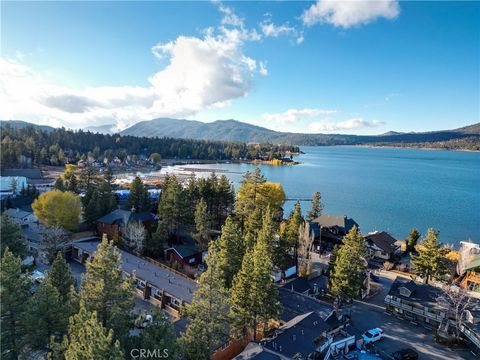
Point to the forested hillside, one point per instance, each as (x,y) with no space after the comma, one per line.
(29,146)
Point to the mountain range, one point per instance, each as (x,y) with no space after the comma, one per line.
(233,130)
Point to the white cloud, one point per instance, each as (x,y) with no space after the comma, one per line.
(293,115)
(201,72)
(346,14)
(269,29)
(350,124)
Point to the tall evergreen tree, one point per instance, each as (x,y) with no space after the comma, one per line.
(11,237)
(232,249)
(347,275)
(173,205)
(317,206)
(254,295)
(46,316)
(60,277)
(159,335)
(203,225)
(14,294)
(251,227)
(412,240)
(108,176)
(138,197)
(157,242)
(208,313)
(88,339)
(248,193)
(292,231)
(105,291)
(430,261)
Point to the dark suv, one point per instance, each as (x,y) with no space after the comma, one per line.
(405,354)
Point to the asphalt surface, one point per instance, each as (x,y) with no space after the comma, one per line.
(399,333)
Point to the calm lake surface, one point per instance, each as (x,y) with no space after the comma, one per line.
(383,188)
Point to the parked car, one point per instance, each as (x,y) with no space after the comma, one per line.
(374,277)
(405,354)
(372,335)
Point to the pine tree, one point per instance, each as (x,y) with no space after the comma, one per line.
(11,237)
(208,313)
(254,295)
(159,335)
(105,291)
(412,240)
(138,197)
(251,227)
(173,205)
(248,193)
(14,294)
(108,176)
(202,225)
(430,261)
(348,272)
(87,338)
(231,252)
(46,316)
(60,277)
(292,231)
(156,243)
(317,206)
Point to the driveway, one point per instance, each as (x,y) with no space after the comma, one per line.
(399,333)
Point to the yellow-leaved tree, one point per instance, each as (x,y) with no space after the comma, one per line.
(59,209)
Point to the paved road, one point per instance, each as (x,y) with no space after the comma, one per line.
(399,333)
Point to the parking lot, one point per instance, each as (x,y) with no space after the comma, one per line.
(399,333)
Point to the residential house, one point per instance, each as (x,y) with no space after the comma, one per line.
(469,265)
(330,229)
(113,224)
(299,285)
(307,336)
(185,254)
(33,176)
(420,303)
(21,217)
(255,351)
(381,245)
(12,185)
(155,283)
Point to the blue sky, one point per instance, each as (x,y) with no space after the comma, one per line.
(362,67)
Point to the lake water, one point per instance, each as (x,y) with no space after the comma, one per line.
(383,188)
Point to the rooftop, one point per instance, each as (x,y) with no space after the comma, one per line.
(298,284)
(382,240)
(123,217)
(294,304)
(420,293)
(327,220)
(28,173)
(301,335)
(173,283)
(17,213)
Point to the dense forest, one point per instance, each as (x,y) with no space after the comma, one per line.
(30,146)
(471,143)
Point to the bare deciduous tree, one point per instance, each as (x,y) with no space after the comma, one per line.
(304,247)
(54,238)
(134,236)
(456,302)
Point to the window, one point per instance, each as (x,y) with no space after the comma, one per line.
(404,292)
(140,284)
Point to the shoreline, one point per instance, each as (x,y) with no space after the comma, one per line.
(411,148)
